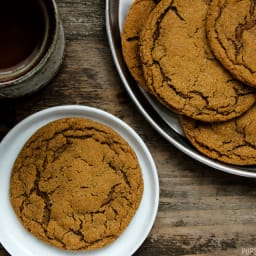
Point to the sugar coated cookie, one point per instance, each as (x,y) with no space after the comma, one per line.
(231,30)
(76,184)
(180,69)
(232,142)
(134,22)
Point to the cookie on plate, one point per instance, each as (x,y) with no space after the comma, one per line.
(133,24)
(76,184)
(180,69)
(232,142)
(231,30)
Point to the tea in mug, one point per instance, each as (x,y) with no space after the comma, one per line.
(22,32)
(32,45)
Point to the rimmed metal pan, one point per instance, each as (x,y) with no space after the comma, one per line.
(163,120)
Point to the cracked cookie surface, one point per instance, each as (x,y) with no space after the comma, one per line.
(76,184)
(231,30)
(232,142)
(134,22)
(180,69)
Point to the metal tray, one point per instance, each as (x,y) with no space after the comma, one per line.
(162,119)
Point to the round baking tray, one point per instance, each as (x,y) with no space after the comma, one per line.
(19,242)
(163,120)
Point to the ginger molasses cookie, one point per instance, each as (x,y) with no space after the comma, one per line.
(180,69)
(232,142)
(134,22)
(231,30)
(76,184)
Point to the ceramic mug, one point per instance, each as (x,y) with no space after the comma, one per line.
(31,46)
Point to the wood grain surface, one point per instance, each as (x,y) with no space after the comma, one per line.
(202,211)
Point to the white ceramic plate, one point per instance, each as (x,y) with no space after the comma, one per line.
(162,119)
(19,242)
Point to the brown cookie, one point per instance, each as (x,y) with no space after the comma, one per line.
(232,142)
(231,30)
(76,184)
(134,22)
(180,69)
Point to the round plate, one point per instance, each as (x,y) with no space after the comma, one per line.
(19,242)
(162,119)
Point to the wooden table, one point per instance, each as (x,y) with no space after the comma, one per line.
(202,211)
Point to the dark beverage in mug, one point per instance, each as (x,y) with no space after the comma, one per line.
(31,45)
(22,32)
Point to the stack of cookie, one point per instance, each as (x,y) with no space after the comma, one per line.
(198,59)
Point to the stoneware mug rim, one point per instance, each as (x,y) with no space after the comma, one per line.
(57,36)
